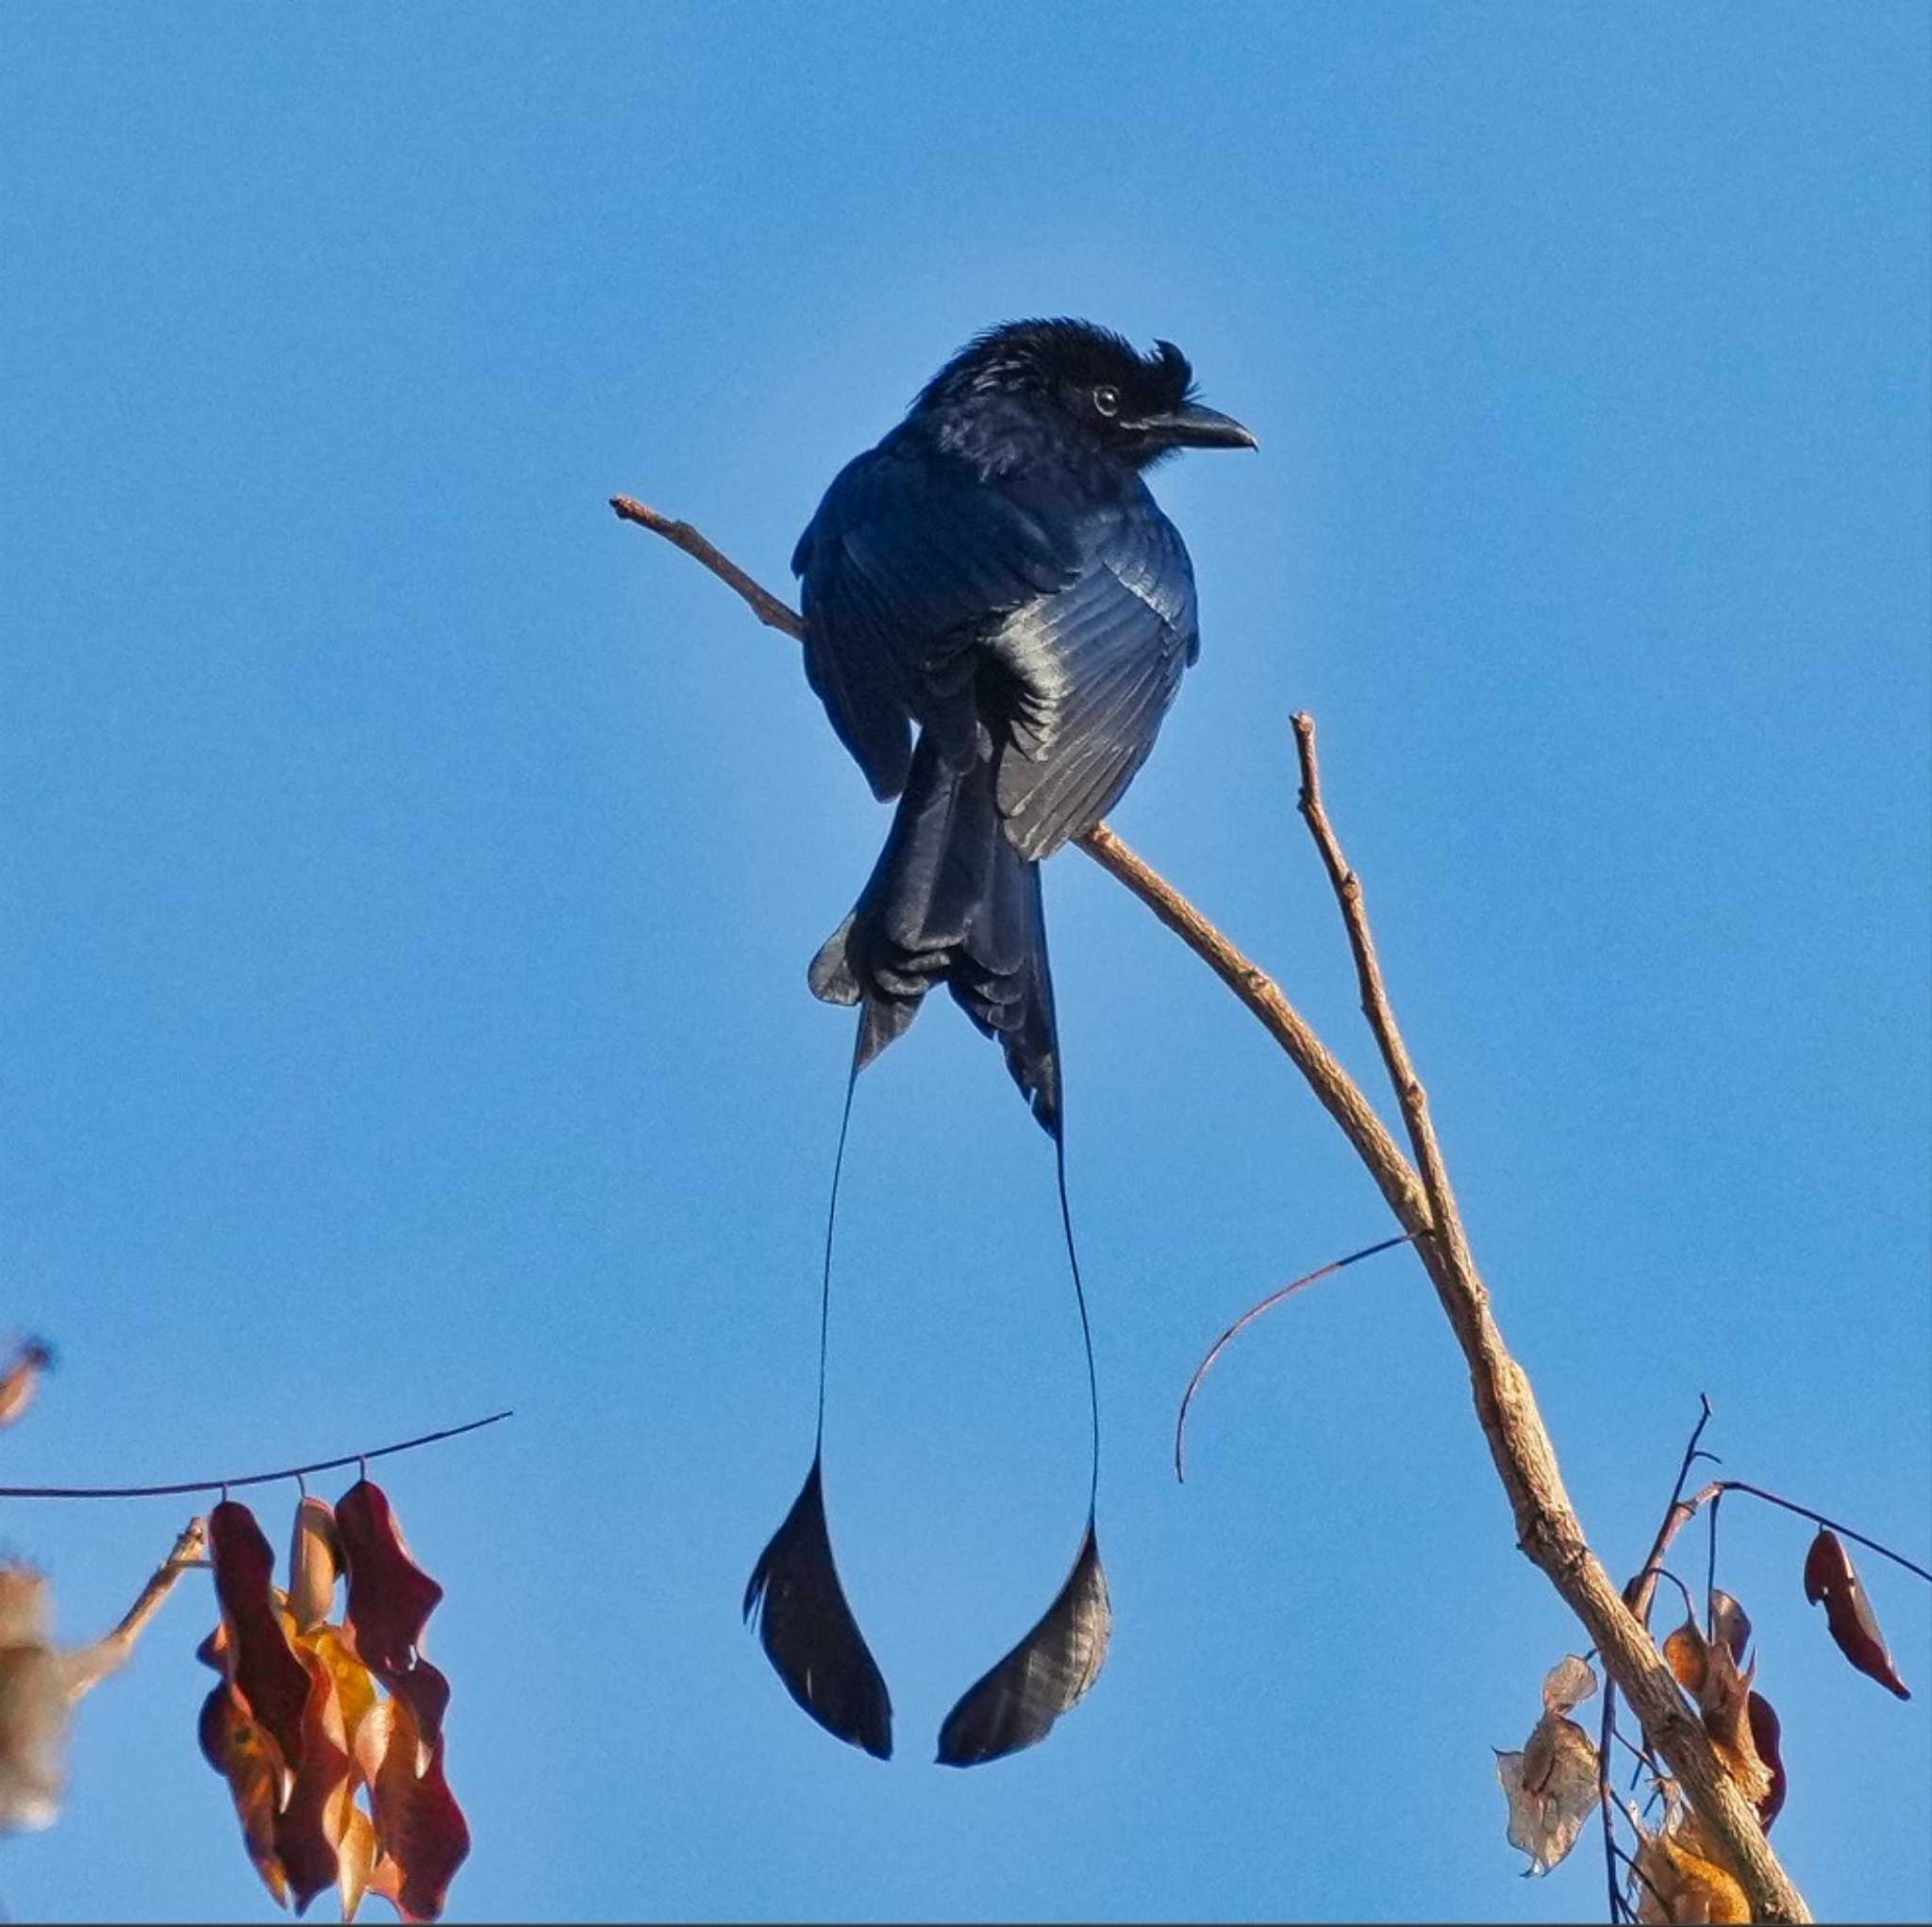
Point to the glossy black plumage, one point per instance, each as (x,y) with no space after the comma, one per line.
(1015,1704)
(997,617)
(807,1629)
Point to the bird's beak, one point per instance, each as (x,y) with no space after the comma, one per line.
(1194,426)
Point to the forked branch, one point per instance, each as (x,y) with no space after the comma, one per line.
(1547,1528)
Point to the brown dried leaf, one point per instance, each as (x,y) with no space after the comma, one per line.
(21,1378)
(391,1597)
(1731,1624)
(244,1752)
(1551,1787)
(34,1705)
(1848,1616)
(1726,1703)
(314,1564)
(1568,1684)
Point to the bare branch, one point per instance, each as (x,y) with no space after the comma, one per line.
(1547,1528)
(89,1665)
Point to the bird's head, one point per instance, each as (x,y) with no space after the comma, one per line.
(1138,408)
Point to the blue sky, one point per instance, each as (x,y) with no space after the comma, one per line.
(408,877)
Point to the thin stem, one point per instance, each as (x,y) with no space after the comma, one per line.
(1638,1593)
(323,1465)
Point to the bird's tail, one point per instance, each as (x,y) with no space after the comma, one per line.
(951,902)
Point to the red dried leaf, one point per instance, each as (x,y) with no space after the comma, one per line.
(420,1829)
(245,1755)
(259,1660)
(426,1689)
(391,1597)
(1848,1615)
(310,1828)
(1766,1734)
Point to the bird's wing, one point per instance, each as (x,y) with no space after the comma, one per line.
(1094,668)
(909,562)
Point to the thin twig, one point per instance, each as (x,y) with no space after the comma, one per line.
(89,1667)
(764,605)
(324,1465)
(1520,1446)
(1637,1596)
(1248,1317)
(1844,1532)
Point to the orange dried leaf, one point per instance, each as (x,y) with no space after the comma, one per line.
(1679,1885)
(259,1660)
(314,1564)
(244,1752)
(352,1682)
(1848,1616)
(21,1378)
(391,1597)
(1688,1655)
(358,1861)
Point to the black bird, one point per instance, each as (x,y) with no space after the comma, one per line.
(997,617)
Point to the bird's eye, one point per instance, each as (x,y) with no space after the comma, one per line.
(1106,400)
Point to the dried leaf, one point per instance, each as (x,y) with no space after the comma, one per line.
(34,1705)
(310,1828)
(244,1752)
(1731,1624)
(353,1685)
(1048,1674)
(1551,1787)
(1725,1703)
(419,1828)
(1767,1738)
(391,1597)
(21,1378)
(356,1862)
(1680,1886)
(258,1659)
(807,1629)
(1689,1656)
(1568,1684)
(315,1563)
(1848,1615)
